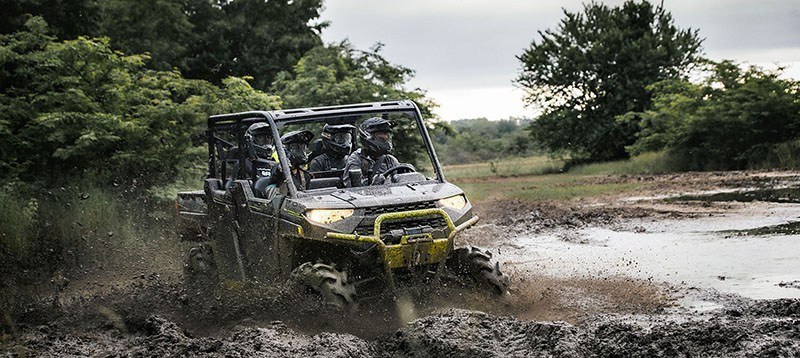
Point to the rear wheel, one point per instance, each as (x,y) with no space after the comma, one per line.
(332,285)
(200,274)
(476,265)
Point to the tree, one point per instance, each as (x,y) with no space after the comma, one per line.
(158,27)
(733,119)
(68,19)
(255,38)
(340,74)
(596,66)
(76,107)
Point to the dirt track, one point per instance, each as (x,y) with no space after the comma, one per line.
(545,315)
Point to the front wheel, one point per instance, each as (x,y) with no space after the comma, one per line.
(476,265)
(336,290)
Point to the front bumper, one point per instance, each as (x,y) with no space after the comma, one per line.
(415,248)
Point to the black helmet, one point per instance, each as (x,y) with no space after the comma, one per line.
(376,145)
(259,141)
(296,145)
(337,140)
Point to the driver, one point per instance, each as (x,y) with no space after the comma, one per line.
(337,141)
(374,158)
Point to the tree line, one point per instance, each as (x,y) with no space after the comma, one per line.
(614,81)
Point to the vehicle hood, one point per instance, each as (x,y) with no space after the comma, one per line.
(364,197)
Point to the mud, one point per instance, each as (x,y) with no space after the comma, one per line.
(760,328)
(572,295)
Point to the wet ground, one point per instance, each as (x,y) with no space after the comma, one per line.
(707,264)
(748,252)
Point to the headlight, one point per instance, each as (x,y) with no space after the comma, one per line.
(327,216)
(454,202)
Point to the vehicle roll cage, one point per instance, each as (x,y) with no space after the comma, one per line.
(238,123)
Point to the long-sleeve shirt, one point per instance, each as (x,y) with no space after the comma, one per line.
(369,167)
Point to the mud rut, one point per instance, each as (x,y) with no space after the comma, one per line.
(152,315)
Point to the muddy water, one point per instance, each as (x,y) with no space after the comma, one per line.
(726,252)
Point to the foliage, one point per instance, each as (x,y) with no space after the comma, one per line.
(17,221)
(733,119)
(596,65)
(74,107)
(68,18)
(204,39)
(339,74)
(157,27)
(479,140)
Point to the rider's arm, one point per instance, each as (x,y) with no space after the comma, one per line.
(353,162)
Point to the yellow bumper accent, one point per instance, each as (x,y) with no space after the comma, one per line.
(413,249)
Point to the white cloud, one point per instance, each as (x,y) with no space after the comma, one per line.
(488,102)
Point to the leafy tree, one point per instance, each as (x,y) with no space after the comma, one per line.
(75,107)
(733,119)
(68,18)
(158,27)
(255,38)
(340,74)
(595,66)
(480,139)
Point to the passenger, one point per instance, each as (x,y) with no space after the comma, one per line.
(296,145)
(374,157)
(260,150)
(337,142)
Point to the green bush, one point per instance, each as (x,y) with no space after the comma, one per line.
(734,119)
(18,222)
(75,107)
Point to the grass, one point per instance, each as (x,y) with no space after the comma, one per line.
(645,163)
(511,167)
(539,178)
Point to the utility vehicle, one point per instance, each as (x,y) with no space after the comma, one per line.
(344,243)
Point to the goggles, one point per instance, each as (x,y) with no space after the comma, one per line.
(342,138)
(262,139)
(297,147)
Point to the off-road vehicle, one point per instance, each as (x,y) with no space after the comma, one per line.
(343,242)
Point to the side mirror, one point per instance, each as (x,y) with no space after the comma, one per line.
(355,177)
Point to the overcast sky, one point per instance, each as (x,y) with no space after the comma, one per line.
(463,51)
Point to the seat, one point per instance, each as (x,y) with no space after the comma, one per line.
(318,183)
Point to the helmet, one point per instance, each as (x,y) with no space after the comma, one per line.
(296,145)
(375,135)
(337,140)
(259,141)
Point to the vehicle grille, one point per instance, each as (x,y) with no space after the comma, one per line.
(401,207)
(436,222)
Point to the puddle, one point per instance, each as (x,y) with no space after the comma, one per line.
(686,253)
(780,195)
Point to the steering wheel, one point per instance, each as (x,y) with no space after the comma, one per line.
(398,169)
